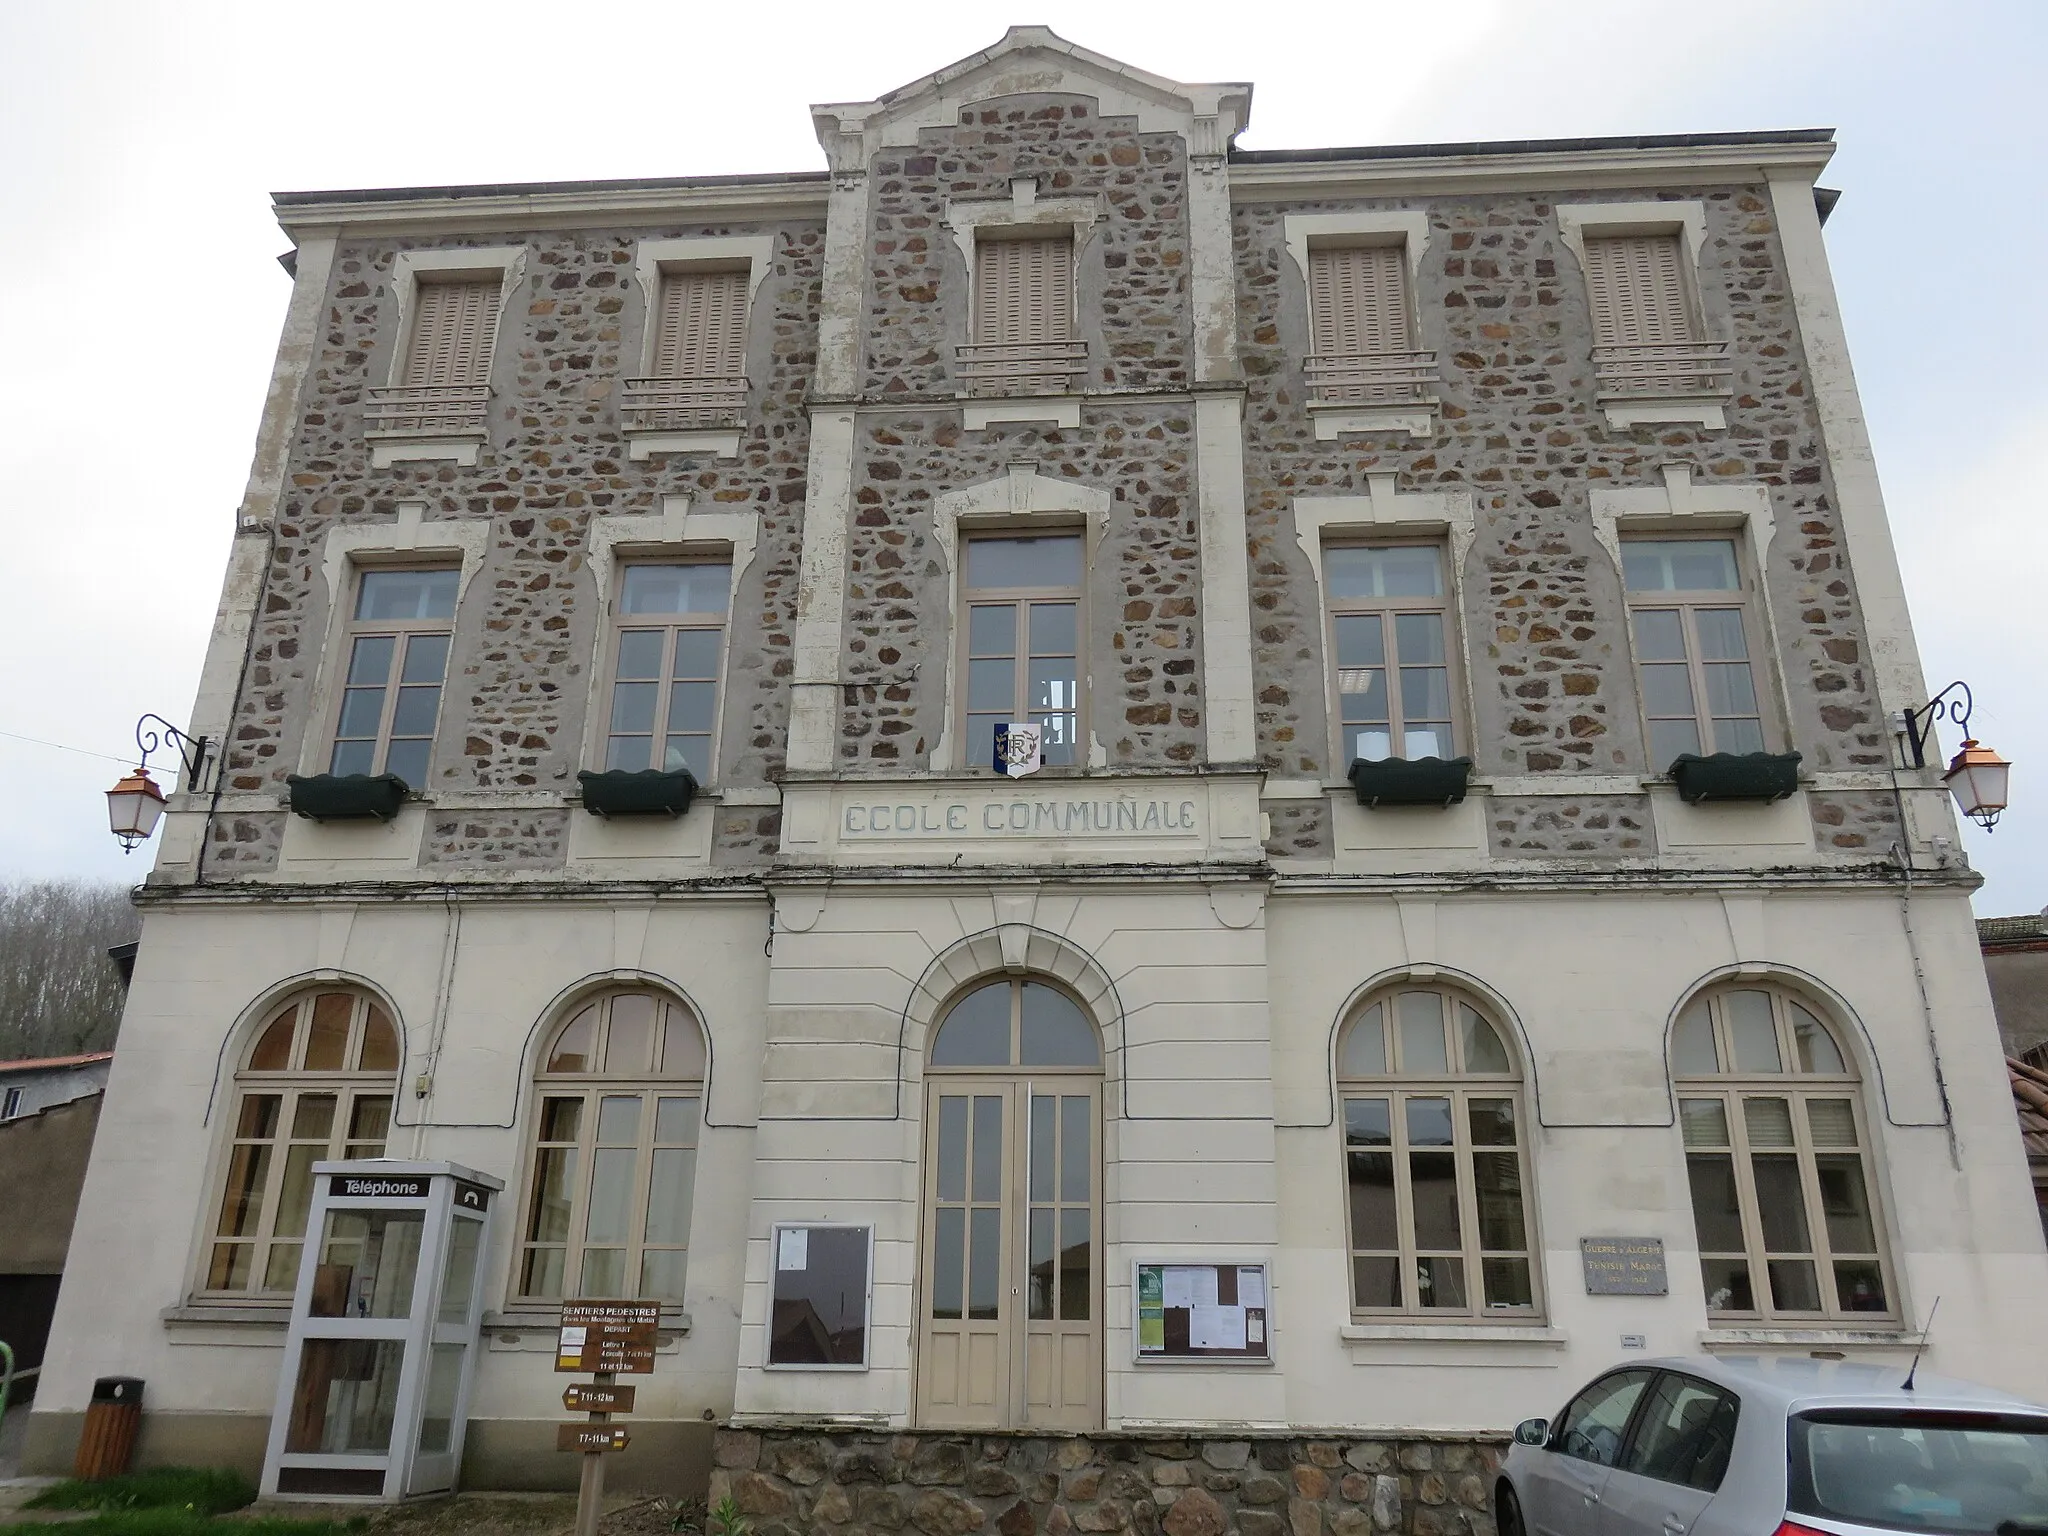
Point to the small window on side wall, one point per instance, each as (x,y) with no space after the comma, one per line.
(668,657)
(396,646)
(1390,638)
(1690,622)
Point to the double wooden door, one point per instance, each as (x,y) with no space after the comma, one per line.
(1010,1301)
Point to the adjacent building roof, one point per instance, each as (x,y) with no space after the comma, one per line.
(54,1063)
(2006,932)
(2030,1100)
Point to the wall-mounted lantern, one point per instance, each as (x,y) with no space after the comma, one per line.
(135,805)
(1977,776)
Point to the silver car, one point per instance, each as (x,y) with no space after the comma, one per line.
(1789,1447)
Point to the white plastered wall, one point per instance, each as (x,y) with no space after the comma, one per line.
(203,981)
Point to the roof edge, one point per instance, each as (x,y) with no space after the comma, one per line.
(1504,147)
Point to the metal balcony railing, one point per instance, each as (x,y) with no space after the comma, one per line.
(672,405)
(1370,378)
(1022,367)
(438,411)
(1668,368)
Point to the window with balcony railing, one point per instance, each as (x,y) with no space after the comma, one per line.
(1363,329)
(698,360)
(443,389)
(1024,342)
(1648,342)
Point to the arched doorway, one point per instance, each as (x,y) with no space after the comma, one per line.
(1010,1299)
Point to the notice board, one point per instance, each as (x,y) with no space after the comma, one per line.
(1210,1312)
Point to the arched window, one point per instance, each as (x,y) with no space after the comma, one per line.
(1774,1149)
(1435,1160)
(317,1083)
(615,1152)
(1016,1024)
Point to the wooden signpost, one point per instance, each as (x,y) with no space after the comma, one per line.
(605,1338)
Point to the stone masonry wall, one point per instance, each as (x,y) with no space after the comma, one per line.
(797,1481)
(1503,304)
(1143,700)
(527,632)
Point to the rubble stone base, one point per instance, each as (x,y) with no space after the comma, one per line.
(802,1480)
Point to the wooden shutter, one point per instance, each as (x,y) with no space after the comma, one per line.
(1024,290)
(452,334)
(1638,291)
(701,331)
(1358,298)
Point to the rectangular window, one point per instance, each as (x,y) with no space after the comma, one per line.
(1638,291)
(1687,604)
(1782,1205)
(668,654)
(13,1105)
(1389,635)
(1024,290)
(397,648)
(1022,654)
(1023,316)
(1437,1217)
(613,1177)
(455,322)
(701,325)
(1363,336)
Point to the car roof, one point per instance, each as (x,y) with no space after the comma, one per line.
(1796,1383)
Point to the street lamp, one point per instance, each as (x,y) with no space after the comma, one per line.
(135,805)
(1977,776)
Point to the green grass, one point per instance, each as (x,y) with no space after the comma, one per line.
(185,1522)
(193,1490)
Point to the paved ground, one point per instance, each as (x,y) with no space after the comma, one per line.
(469,1514)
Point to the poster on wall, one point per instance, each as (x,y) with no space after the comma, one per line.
(1213,1312)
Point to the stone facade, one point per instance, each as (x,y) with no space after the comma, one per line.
(790,1481)
(1204,885)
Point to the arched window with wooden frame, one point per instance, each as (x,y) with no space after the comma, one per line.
(1777,1151)
(614,1168)
(316,1083)
(1435,1160)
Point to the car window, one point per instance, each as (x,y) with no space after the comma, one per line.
(1593,1425)
(1684,1433)
(1906,1470)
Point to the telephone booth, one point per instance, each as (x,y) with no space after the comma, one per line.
(374,1394)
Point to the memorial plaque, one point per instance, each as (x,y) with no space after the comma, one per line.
(608,1336)
(1623,1266)
(582,1397)
(591,1438)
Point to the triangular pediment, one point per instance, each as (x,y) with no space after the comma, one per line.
(1031,61)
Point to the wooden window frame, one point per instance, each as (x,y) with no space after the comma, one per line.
(1020,600)
(404,632)
(1744,597)
(1460,1086)
(1797,1087)
(618,622)
(590,1088)
(1446,609)
(349,1086)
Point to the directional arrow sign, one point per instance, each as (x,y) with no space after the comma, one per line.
(590,1437)
(601,1398)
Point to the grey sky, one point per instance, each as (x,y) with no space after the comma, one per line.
(137,254)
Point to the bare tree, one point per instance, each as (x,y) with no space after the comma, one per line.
(59,993)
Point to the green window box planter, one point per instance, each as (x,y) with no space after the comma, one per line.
(1735,776)
(347,796)
(649,792)
(1437,781)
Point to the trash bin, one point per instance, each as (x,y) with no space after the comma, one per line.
(111,1420)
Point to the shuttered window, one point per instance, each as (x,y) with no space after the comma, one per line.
(452,333)
(701,328)
(1024,291)
(1359,298)
(1638,291)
